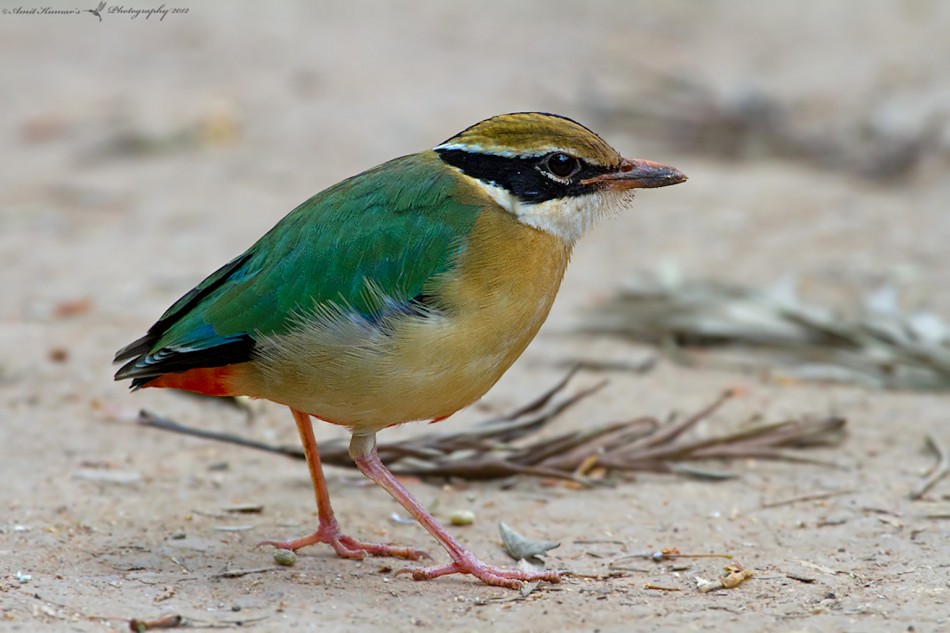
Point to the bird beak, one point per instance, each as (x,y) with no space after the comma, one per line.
(638,174)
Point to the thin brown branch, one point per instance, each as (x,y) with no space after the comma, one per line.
(938,472)
(812,497)
(508,445)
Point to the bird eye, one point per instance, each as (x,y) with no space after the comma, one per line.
(561,165)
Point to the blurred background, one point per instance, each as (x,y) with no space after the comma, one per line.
(138,153)
(141,151)
(815,135)
(144,149)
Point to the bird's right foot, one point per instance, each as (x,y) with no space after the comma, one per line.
(497,576)
(346,546)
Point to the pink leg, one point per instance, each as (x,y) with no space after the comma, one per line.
(327,530)
(363,452)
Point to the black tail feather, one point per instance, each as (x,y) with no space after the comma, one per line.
(135,349)
(143,368)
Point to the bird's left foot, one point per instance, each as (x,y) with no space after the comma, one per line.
(346,546)
(495,576)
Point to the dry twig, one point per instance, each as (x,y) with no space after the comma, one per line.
(168,622)
(238,573)
(876,344)
(500,448)
(809,497)
(939,471)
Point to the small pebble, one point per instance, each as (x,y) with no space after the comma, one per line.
(120,477)
(285,557)
(462,517)
(395,518)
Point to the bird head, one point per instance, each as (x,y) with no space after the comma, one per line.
(549,171)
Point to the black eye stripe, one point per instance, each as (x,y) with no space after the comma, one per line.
(521,176)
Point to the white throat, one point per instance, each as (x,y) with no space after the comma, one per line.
(565,218)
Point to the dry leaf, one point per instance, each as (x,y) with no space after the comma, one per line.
(521,548)
(735,576)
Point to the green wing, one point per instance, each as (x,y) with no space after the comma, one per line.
(368,245)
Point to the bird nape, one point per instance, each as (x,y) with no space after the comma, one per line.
(400,294)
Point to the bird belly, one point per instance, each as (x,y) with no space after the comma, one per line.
(342,368)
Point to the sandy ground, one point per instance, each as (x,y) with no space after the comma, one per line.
(111,206)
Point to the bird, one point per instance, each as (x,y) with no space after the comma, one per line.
(97,11)
(400,294)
